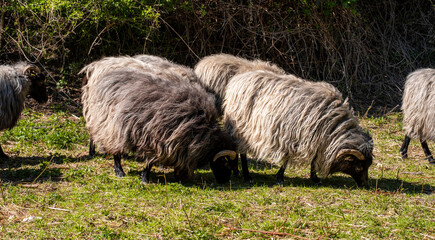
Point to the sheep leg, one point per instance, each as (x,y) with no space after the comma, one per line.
(145,175)
(427,152)
(404,148)
(3,156)
(117,167)
(280,175)
(313,175)
(91,147)
(236,172)
(245,171)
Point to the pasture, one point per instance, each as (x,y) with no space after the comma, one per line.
(51,189)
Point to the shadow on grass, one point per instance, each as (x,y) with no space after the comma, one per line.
(17,170)
(27,169)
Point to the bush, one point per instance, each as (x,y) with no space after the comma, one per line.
(365,48)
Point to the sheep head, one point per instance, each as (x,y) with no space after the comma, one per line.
(222,165)
(354,163)
(37,89)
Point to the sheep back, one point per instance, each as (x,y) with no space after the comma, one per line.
(215,71)
(158,65)
(418,105)
(287,120)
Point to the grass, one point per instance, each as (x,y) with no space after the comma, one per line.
(51,189)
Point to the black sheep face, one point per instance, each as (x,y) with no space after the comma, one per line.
(222,168)
(356,168)
(38,90)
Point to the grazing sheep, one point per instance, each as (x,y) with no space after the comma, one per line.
(290,121)
(16,81)
(214,73)
(148,63)
(166,121)
(418,108)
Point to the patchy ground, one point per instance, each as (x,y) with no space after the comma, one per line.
(51,189)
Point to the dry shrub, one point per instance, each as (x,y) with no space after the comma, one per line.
(366,48)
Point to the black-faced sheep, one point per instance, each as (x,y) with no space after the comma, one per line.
(171,122)
(148,63)
(290,121)
(418,108)
(214,73)
(16,81)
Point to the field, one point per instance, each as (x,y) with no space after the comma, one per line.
(51,189)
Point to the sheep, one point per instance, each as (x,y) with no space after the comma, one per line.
(214,73)
(291,121)
(419,110)
(16,81)
(166,121)
(160,66)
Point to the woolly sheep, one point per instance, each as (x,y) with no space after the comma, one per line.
(214,73)
(295,122)
(418,108)
(16,81)
(148,63)
(171,122)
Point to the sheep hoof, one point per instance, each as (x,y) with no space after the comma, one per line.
(119,173)
(248,180)
(144,180)
(431,161)
(404,155)
(279,183)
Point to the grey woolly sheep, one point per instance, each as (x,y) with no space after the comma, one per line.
(148,63)
(166,121)
(16,81)
(418,108)
(214,73)
(290,121)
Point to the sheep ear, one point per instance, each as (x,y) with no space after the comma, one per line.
(225,153)
(27,71)
(346,152)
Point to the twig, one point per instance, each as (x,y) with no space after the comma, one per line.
(43,171)
(60,209)
(95,40)
(188,218)
(265,232)
(190,49)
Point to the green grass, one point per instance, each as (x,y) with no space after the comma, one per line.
(70,196)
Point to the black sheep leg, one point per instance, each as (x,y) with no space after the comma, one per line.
(145,175)
(91,147)
(236,172)
(245,171)
(404,148)
(2,154)
(117,167)
(313,175)
(427,152)
(280,175)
